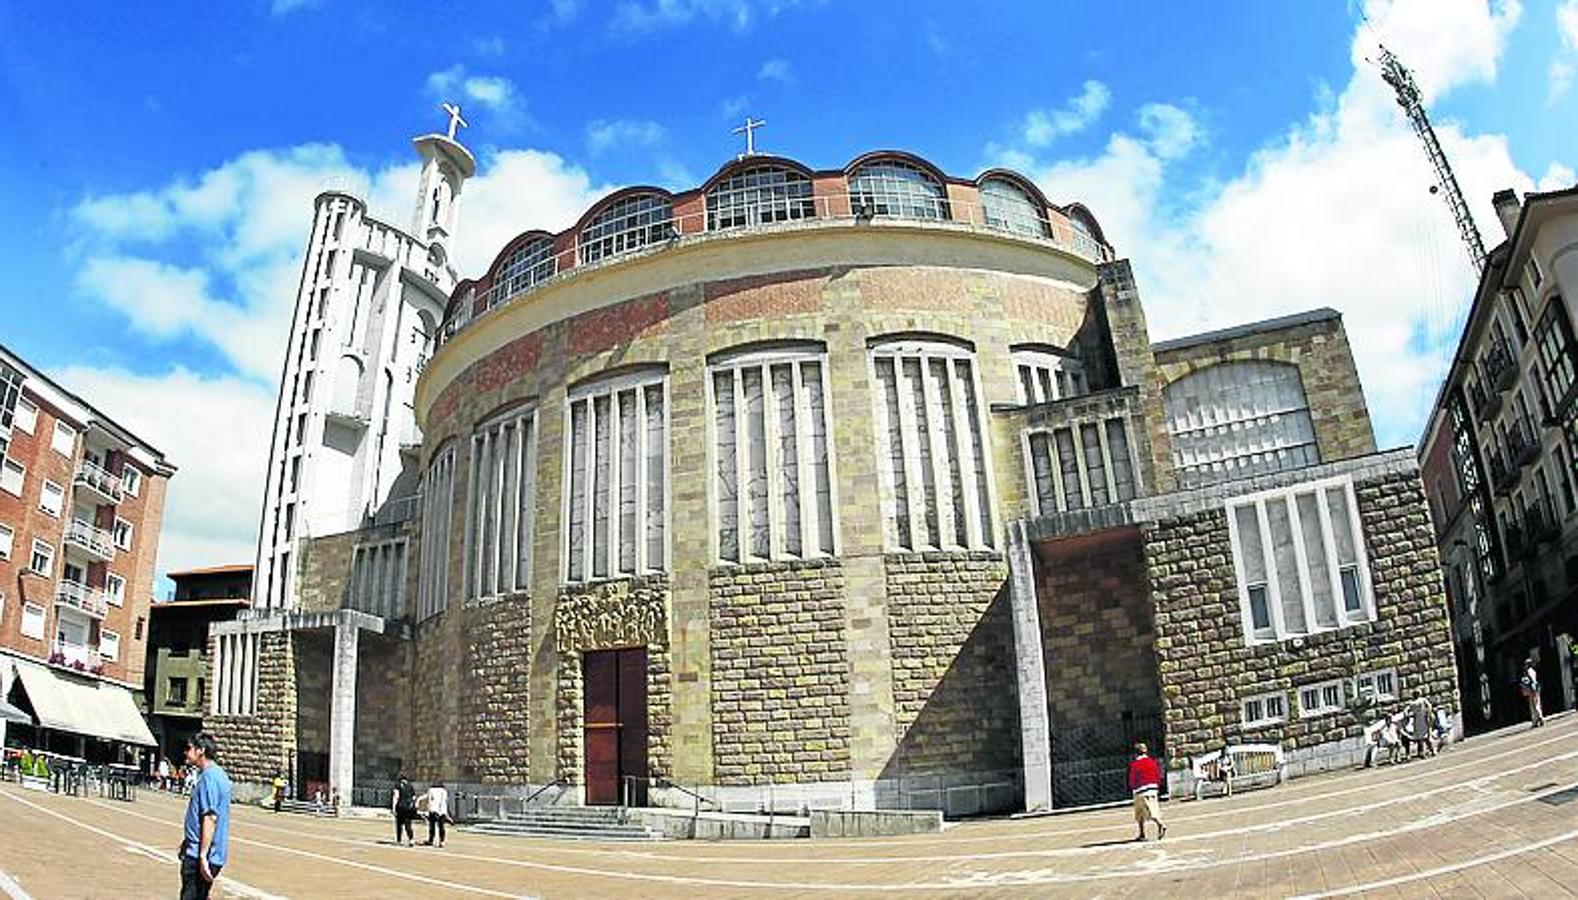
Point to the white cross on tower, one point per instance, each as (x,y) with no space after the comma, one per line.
(454,118)
(749,130)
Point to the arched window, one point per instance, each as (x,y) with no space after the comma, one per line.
(1010,207)
(759,195)
(531,262)
(774,485)
(1239,418)
(932,446)
(627,225)
(893,188)
(1045,376)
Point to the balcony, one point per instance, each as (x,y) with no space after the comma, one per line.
(96,542)
(1542,528)
(1485,405)
(95,478)
(1500,368)
(74,656)
(1518,545)
(91,601)
(1521,448)
(1502,478)
(355,414)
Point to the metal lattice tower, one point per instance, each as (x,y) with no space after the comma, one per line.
(1402,81)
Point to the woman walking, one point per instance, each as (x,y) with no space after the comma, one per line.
(402,802)
(437,811)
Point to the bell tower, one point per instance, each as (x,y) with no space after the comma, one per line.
(446,164)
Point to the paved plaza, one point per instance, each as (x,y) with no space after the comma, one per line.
(1496,816)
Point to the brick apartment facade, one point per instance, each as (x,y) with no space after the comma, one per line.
(850,483)
(81,504)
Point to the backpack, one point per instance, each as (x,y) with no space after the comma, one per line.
(1527,683)
(405,796)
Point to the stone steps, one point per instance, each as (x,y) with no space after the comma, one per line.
(583,823)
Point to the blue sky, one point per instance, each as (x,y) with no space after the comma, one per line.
(157,171)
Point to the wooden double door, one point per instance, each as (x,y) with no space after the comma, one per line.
(614,683)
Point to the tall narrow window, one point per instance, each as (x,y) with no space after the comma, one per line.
(498,518)
(1300,566)
(770,436)
(1086,463)
(1045,376)
(936,479)
(615,506)
(437,502)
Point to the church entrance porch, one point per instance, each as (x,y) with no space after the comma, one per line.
(615,726)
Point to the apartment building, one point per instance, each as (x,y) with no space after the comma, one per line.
(177,666)
(1497,457)
(81,501)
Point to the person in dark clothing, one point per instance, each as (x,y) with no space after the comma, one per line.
(402,802)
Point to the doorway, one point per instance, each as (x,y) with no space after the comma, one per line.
(615,691)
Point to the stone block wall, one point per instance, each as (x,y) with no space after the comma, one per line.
(254,748)
(383,705)
(1207,668)
(494,707)
(780,673)
(435,692)
(314,663)
(1097,635)
(954,689)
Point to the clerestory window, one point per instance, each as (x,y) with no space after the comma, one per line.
(774,485)
(1010,207)
(759,195)
(532,262)
(499,505)
(897,189)
(625,226)
(932,446)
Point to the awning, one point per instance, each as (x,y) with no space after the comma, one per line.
(80,705)
(10,713)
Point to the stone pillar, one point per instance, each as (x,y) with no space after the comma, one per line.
(342,712)
(1034,726)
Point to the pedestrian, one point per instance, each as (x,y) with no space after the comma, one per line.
(279,790)
(1145,781)
(1529,686)
(317,802)
(164,773)
(1423,723)
(437,811)
(205,839)
(1224,769)
(402,802)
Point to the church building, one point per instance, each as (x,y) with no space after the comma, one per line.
(857,487)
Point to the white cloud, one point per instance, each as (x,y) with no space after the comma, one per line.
(1560,78)
(518,190)
(216,431)
(1563,65)
(493,93)
(1334,212)
(605,134)
(637,18)
(777,70)
(286,7)
(1567,23)
(1557,177)
(1041,127)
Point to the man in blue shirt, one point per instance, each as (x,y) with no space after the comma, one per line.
(205,844)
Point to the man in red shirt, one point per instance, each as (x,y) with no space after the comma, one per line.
(1145,781)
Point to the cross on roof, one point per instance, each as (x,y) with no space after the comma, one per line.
(454,118)
(749,130)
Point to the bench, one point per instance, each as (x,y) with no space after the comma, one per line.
(1254,765)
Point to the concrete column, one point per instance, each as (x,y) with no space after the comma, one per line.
(1034,727)
(342,712)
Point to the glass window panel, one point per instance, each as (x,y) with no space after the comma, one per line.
(1122,465)
(524,501)
(788,457)
(1095,464)
(602,470)
(578,447)
(887,377)
(1287,563)
(759,195)
(728,495)
(1010,207)
(625,226)
(972,410)
(942,412)
(629,475)
(756,462)
(811,375)
(1315,556)
(1068,464)
(898,189)
(917,393)
(657,443)
(1041,465)
(1237,419)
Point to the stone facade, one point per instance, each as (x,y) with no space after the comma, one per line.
(955,702)
(495,704)
(254,748)
(1207,667)
(780,673)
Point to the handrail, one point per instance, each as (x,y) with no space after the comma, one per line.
(557,782)
(778,212)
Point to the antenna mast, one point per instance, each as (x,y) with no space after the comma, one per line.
(1402,81)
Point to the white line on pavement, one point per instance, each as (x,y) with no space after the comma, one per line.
(164,856)
(12,889)
(1446,870)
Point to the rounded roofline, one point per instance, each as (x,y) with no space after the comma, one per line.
(610,199)
(748,162)
(874,156)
